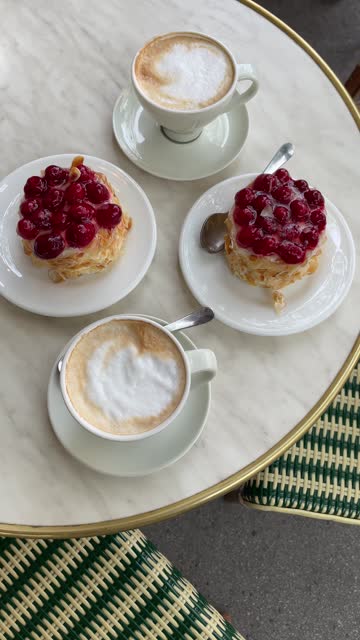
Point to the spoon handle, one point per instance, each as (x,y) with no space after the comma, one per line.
(202,315)
(282,155)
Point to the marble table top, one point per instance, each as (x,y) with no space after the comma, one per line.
(62,66)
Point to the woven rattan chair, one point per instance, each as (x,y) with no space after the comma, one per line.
(107,588)
(320,474)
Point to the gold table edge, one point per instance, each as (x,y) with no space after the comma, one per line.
(238,478)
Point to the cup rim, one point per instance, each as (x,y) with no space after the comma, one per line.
(112,436)
(185,111)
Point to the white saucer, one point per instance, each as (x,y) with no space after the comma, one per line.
(250,309)
(142,141)
(30,287)
(137,458)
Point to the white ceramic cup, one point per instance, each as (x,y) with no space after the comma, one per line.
(186,125)
(200,366)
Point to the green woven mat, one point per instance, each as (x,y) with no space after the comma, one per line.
(99,588)
(320,474)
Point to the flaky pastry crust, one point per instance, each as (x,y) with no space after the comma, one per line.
(100,254)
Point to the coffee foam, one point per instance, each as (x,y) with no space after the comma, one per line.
(125,377)
(184,71)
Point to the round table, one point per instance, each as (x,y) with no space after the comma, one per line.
(62,66)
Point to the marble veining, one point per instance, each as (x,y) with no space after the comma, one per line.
(62,66)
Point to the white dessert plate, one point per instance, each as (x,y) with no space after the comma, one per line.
(29,287)
(142,141)
(250,309)
(140,457)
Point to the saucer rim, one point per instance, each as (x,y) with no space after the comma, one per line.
(135,160)
(6,292)
(136,443)
(225,319)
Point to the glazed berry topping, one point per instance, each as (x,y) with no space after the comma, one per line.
(290,232)
(35,186)
(59,220)
(75,192)
(82,212)
(309,237)
(269,225)
(97,192)
(244,197)
(85,173)
(277,215)
(265,246)
(65,208)
(299,210)
(283,176)
(246,236)
(244,216)
(261,202)
(28,207)
(80,235)
(290,252)
(281,214)
(26,229)
(318,218)
(42,219)
(49,245)
(283,194)
(302,185)
(53,198)
(55,176)
(314,198)
(266,182)
(108,215)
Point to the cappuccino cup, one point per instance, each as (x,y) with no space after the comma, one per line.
(127,377)
(185,80)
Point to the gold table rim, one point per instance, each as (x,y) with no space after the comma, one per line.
(238,478)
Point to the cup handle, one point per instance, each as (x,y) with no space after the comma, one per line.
(245,72)
(202,364)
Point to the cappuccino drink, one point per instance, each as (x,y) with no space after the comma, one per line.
(183,71)
(125,376)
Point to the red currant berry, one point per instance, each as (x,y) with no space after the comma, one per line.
(281,214)
(291,253)
(108,215)
(26,229)
(301,185)
(261,202)
(244,197)
(244,216)
(55,176)
(80,235)
(309,237)
(35,186)
(299,210)
(283,194)
(265,246)
(28,207)
(318,218)
(75,192)
(97,192)
(314,198)
(246,236)
(49,245)
(283,176)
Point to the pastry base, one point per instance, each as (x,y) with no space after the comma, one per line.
(261,271)
(100,254)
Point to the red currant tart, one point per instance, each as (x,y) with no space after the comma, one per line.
(71,221)
(276,229)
